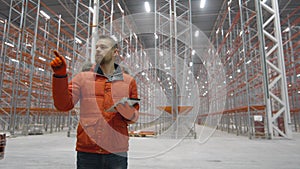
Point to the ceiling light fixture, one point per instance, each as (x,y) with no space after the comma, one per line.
(91,9)
(120,7)
(45,15)
(41,69)
(43,59)
(161,53)
(9,44)
(77,40)
(202,3)
(193,52)
(67,57)
(147,6)
(14,60)
(135,35)
(286,30)
(197,33)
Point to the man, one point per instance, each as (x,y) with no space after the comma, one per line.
(102,137)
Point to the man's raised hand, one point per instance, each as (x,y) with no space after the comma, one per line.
(59,65)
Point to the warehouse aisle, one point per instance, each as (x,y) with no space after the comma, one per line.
(222,151)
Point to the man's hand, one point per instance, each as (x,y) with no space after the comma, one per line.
(127,111)
(59,65)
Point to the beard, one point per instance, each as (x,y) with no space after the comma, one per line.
(106,60)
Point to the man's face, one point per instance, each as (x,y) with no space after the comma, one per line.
(104,51)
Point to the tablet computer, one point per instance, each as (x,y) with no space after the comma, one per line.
(130,101)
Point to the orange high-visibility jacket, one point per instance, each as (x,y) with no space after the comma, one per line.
(98,131)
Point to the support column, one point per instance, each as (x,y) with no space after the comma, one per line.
(275,85)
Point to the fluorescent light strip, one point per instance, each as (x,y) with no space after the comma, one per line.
(78,40)
(91,9)
(40,69)
(14,60)
(120,7)
(197,33)
(135,35)
(202,3)
(45,15)
(67,57)
(286,30)
(193,52)
(161,53)
(147,6)
(9,44)
(43,59)
(28,45)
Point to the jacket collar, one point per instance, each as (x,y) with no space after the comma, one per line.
(117,75)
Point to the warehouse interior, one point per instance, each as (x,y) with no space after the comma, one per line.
(231,66)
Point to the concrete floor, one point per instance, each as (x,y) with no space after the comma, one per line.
(221,151)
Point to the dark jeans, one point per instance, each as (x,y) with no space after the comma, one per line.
(101,161)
